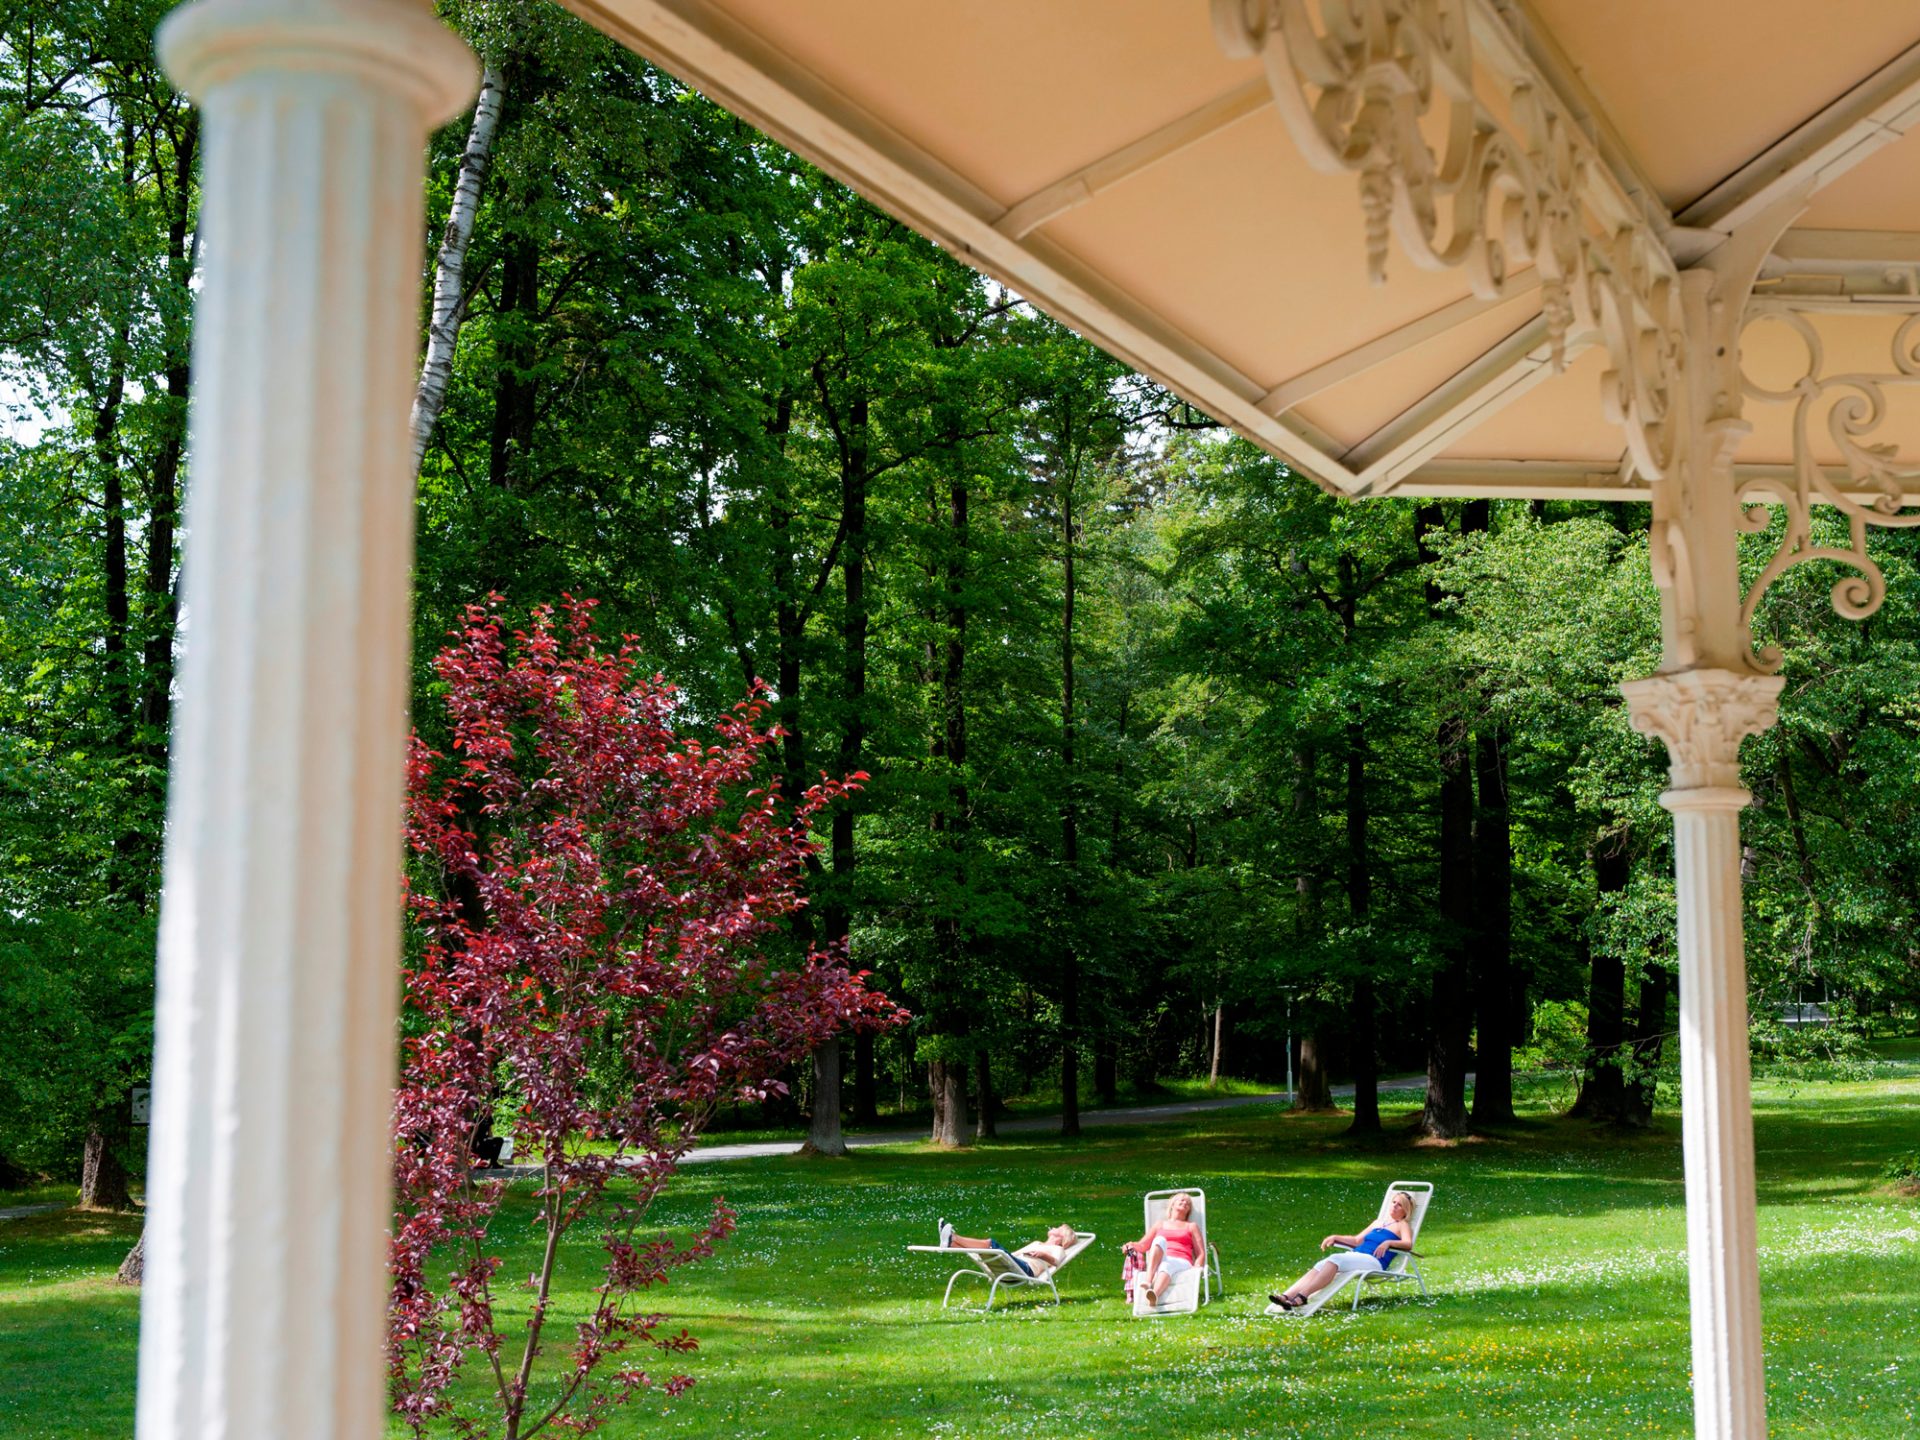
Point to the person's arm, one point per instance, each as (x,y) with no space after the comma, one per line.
(1405,1242)
(1333,1240)
(1146,1240)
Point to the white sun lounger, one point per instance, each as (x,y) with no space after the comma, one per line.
(1198,1286)
(1402,1267)
(998,1268)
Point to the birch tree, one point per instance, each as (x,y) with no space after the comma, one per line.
(449,270)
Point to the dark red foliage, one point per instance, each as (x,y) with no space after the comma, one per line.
(590,892)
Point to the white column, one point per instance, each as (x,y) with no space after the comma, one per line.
(1703,715)
(1709,695)
(268,1183)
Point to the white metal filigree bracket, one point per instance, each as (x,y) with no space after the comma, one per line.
(1865,483)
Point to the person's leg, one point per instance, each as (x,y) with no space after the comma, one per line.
(968,1242)
(1317,1278)
(1168,1272)
(1156,1254)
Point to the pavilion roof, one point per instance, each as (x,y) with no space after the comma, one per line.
(1115,163)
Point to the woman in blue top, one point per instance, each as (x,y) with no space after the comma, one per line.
(1393,1231)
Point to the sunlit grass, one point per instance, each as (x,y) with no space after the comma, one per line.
(67,1332)
(1556,1253)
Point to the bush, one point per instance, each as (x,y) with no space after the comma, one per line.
(1904,1171)
(1798,1054)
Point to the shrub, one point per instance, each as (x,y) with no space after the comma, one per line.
(590,896)
(1904,1171)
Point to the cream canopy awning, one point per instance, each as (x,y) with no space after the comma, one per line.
(1110,160)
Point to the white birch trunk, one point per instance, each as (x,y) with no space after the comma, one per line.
(449,274)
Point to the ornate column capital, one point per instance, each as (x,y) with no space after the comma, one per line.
(395,45)
(1703,715)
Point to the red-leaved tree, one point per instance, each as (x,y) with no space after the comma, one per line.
(590,895)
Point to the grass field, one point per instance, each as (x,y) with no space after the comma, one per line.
(1555,1253)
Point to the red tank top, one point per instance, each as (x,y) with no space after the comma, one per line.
(1179,1245)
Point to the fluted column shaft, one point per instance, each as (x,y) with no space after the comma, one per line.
(269,1167)
(1703,715)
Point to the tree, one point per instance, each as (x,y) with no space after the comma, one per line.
(98,240)
(1451,1003)
(592,897)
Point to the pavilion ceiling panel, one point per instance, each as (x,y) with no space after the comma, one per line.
(1011,93)
(1362,405)
(1698,89)
(1883,193)
(1251,252)
(1556,421)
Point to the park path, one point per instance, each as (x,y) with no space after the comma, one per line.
(1089,1119)
(1032,1125)
(19,1212)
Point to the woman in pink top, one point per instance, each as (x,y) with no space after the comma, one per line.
(1179,1248)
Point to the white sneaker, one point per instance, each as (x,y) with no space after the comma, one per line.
(946,1235)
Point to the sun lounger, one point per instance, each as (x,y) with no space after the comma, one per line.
(1402,1267)
(1199,1285)
(998,1268)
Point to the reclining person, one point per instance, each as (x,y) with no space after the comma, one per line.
(1168,1251)
(1037,1258)
(1369,1255)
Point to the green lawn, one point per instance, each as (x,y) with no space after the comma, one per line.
(1555,1255)
(67,1332)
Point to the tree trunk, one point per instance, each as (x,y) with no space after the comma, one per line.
(1649,1038)
(823,1128)
(1602,1088)
(1366,1067)
(103,1179)
(983,1093)
(1450,1006)
(790,624)
(1069,829)
(1313,1088)
(515,390)
(866,1091)
(1213,1075)
(449,282)
(133,1269)
(948,1081)
(1106,1069)
(953,819)
(1502,984)
(836,917)
(162,606)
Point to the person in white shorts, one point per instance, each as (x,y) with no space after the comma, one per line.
(1168,1250)
(1369,1253)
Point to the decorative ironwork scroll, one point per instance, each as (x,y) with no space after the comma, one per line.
(1865,484)
(1363,84)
